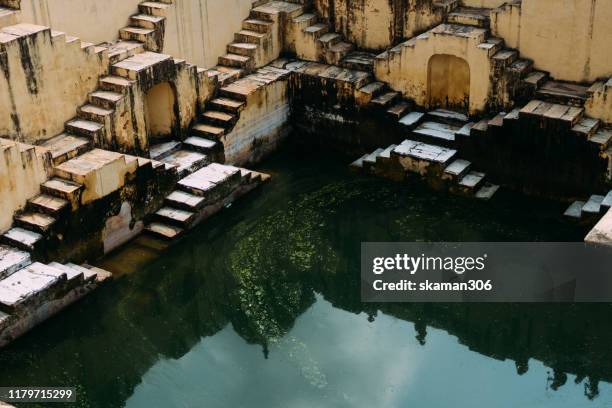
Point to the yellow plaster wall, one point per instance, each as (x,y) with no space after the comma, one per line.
(22,169)
(43,83)
(568,38)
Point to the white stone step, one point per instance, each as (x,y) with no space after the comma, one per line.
(64,189)
(65,146)
(487,191)
(168,232)
(449,116)
(147,21)
(412,119)
(175,216)
(425,151)
(574,210)
(22,239)
(436,131)
(370,159)
(211,181)
(71,273)
(472,180)
(161,150)
(35,221)
(208,131)
(593,205)
(603,138)
(457,169)
(186,161)
(88,275)
(386,154)
(12,260)
(358,164)
(185,201)
(199,144)
(28,287)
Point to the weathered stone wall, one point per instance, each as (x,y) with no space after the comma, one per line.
(568,38)
(599,103)
(379,24)
(22,169)
(43,81)
(92,20)
(263,124)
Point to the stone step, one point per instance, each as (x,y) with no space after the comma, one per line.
(47,204)
(359,61)
(493,45)
(448,116)
(64,189)
(154,8)
(86,128)
(457,170)
(35,221)
(273,10)
(23,239)
(385,100)
(587,127)
(536,79)
(184,201)
(105,99)
(236,61)
(329,39)
(471,182)
(602,138)
(218,118)
(227,105)
(259,26)
(200,144)
(208,131)
(143,35)
(398,110)
(161,150)
(115,84)
(95,113)
(12,260)
(71,273)
(66,146)
(370,160)
(186,161)
(316,31)
(147,21)
(418,153)
(251,37)
(211,182)
(244,49)
(563,92)
(385,155)
(88,275)
(477,17)
(575,210)
(554,112)
(366,93)
(164,231)
(121,50)
(521,68)
(140,66)
(436,132)
(175,216)
(412,119)
(505,57)
(358,164)
(29,287)
(593,205)
(487,191)
(227,75)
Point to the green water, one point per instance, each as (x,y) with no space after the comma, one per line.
(259,307)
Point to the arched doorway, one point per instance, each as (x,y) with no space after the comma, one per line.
(449,82)
(159,110)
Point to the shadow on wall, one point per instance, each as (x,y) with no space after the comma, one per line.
(448,82)
(160,110)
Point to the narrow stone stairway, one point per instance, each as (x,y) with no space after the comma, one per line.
(589,210)
(199,195)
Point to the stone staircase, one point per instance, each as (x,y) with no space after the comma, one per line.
(31,292)
(589,210)
(199,195)
(438,166)
(310,39)
(148,26)
(8,12)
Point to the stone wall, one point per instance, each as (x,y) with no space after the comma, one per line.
(379,24)
(44,79)
(568,38)
(22,169)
